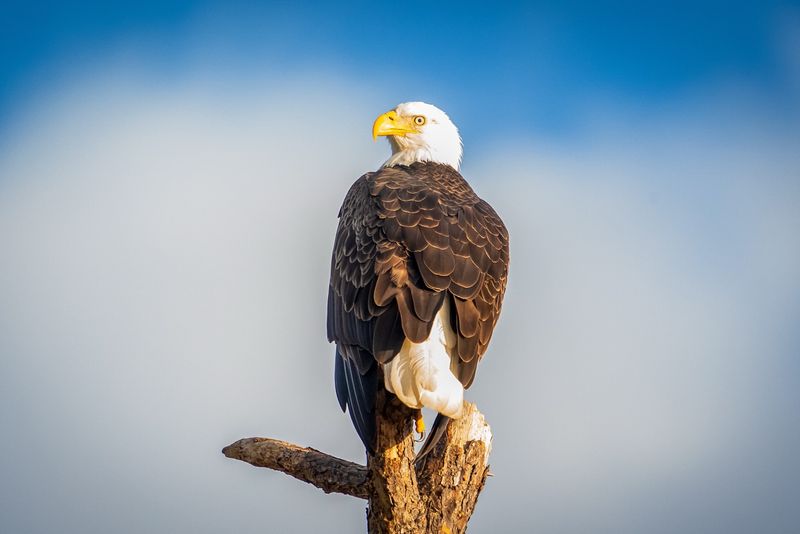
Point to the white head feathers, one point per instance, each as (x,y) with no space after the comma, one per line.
(420,132)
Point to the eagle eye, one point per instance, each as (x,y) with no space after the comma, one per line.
(419,120)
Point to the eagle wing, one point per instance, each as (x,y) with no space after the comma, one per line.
(408,238)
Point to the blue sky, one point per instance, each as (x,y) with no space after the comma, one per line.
(170,174)
(537,65)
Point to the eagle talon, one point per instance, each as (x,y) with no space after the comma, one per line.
(419,425)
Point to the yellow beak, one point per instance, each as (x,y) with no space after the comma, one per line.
(390,123)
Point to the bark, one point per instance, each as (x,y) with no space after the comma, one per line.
(328,473)
(436,495)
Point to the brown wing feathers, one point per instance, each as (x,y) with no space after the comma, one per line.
(408,238)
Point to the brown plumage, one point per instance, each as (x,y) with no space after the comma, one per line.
(410,237)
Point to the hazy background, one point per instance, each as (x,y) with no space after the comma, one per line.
(170,175)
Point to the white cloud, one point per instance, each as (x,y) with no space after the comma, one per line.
(165,257)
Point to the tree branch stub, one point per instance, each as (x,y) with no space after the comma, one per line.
(328,473)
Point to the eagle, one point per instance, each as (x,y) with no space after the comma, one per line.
(418,273)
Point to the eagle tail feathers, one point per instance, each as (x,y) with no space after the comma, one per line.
(438,429)
(360,400)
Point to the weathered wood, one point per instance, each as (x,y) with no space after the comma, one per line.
(328,473)
(453,475)
(395,505)
(436,496)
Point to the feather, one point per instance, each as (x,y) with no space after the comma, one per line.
(467,348)
(340,381)
(414,328)
(388,335)
(439,262)
(468,317)
(426,302)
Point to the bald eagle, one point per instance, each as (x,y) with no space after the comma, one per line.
(418,273)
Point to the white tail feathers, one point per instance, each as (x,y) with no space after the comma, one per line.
(420,373)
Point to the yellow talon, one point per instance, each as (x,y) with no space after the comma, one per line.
(420,424)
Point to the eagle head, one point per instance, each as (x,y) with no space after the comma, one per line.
(419,132)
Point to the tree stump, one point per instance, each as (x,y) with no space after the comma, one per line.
(435,495)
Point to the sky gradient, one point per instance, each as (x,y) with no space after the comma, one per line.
(542,65)
(170,175)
